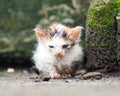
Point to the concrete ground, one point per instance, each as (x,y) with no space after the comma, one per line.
(19,84)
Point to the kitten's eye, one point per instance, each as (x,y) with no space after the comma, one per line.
(65,46)
(50,46)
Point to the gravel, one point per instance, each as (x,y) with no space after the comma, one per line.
(19,84)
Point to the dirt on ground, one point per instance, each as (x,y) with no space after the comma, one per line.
(29,84)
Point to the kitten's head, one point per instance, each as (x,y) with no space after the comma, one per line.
(58,38)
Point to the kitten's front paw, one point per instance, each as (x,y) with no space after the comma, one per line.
(66,76)
(55,76)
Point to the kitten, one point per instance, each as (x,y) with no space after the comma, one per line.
(58,50)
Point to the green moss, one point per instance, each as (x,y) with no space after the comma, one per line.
(102,14)
(102,7)
(109,45)
(118,54)
(102,44)
(92,22)
(119,41)
(94,45)
(100,18)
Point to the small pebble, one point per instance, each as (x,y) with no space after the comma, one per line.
(92,75)
(68,81)
(78,76)
(16,78)
(98,77)
(10,70)
(46,79)
(37,81)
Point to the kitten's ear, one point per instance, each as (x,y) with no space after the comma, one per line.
(39,32)
(75,33)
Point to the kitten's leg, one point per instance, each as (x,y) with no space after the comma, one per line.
(66,73)
(53,73)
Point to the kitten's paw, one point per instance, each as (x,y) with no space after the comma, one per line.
(55,76)
(66,76)
(69,75)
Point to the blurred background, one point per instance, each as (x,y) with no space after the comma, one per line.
(18,18)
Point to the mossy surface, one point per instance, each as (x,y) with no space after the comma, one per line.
(101,13)
(100,17)
(103,33)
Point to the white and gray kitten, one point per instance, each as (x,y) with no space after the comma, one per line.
(58,49)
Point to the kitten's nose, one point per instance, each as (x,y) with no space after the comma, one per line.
(59,54)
